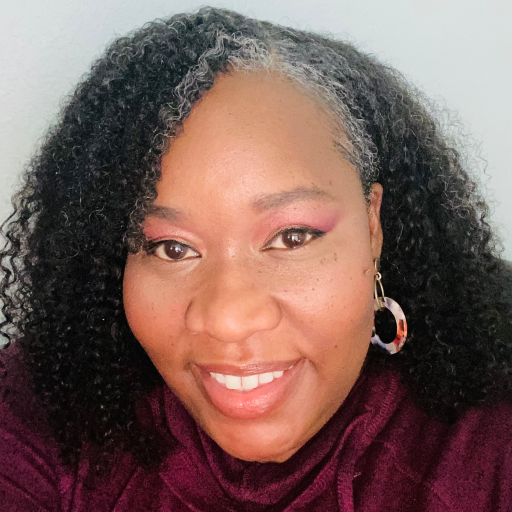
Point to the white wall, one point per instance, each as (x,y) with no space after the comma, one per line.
(458,51)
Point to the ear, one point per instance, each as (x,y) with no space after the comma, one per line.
(373,209)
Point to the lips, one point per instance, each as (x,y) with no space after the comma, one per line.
(254,403)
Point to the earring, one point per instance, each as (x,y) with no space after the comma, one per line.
(382,302)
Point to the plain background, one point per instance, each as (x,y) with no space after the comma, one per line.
(458,51)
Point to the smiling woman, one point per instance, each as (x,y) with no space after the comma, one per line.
(272,255)
(192,281)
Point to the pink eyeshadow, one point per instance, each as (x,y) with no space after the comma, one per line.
(323,221)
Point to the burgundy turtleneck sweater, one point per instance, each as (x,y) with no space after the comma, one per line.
(379,453)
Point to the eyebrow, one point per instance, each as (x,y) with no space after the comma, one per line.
(278,199)
(164,212)
(260,203)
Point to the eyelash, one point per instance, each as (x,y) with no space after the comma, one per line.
(152,247)
(315,233)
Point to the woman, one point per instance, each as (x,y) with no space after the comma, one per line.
(191,277)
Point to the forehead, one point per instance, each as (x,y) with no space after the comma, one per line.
(254,133)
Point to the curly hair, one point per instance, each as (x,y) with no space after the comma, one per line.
(85,193)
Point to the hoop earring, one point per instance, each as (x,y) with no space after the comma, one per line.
(382,302)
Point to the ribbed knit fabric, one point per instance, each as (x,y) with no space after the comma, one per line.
(379,452)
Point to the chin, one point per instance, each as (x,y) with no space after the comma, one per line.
(258,444)
(258,453)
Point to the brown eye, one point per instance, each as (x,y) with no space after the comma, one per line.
(293,238)
(172,250)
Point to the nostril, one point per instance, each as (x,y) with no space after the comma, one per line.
(232,315)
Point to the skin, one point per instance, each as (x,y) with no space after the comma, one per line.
(240,295)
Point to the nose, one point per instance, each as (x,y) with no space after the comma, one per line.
(231,306)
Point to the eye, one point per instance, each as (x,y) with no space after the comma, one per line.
(293,238)
(172,250)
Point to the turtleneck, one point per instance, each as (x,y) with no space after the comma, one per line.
(325,464)
(379,452)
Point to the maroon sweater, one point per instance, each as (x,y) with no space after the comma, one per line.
(379,452)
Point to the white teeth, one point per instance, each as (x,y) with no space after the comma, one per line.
(246,383)
(250,382)
(265,378)
(233,382)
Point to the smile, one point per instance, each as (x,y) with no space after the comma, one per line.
(251,395)
(247,383)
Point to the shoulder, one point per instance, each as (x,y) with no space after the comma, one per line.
(466,465)
(30,473)
(475,460)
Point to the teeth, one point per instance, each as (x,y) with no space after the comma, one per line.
(220,378)
(250,382)
(233,382)
(246,383)
(265,378)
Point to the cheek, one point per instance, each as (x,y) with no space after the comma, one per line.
(332,305)
(153,309)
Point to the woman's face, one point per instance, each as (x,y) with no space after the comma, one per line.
(259,268)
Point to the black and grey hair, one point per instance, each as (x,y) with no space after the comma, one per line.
(87,190)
